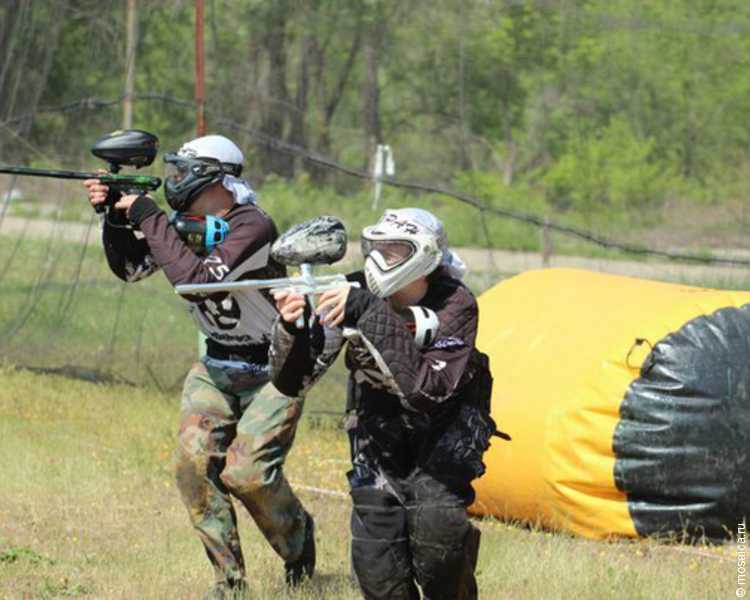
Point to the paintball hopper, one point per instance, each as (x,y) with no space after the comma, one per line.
(129,147)
(319,241)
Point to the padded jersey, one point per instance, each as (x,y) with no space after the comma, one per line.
(237,324)
(386,366)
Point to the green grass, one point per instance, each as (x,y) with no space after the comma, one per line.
(89,509)
(73,209)
(62,306)
(718,281)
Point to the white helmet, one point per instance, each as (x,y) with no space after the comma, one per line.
(216,147)
(200,163)
(399,249)
(423,323)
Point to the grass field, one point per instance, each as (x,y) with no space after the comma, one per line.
(62,306)
(88,509)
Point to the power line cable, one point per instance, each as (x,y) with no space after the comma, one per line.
(275,143)
(46,271)
(66,304)
(516,215)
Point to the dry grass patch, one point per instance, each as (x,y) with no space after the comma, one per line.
(88,509)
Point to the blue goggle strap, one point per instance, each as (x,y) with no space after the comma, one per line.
(216,232)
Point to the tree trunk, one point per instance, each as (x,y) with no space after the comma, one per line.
(320,174)
(298,113)
(275,111)
(25,65)
(53,36)
(373,43)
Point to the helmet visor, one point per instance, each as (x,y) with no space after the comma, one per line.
(175,168)
(394,252)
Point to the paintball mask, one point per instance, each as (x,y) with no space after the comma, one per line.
(398,250)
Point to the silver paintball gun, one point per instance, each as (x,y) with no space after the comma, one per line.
(319,241)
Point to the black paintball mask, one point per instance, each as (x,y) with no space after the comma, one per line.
(186,177)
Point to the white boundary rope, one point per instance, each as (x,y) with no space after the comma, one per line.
(317,490)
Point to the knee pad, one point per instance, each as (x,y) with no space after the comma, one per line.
(380,551)
(441,538)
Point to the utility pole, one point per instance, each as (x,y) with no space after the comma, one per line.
(199,69)
(132,37)
(200,120)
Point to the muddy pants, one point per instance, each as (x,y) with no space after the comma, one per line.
(411,484)
(235,431)
(413,530)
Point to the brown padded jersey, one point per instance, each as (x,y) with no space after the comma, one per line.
(384,362)
(236,324)
(425,378)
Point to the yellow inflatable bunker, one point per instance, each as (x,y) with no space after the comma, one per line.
(628,402)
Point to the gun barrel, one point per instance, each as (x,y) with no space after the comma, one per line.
(31,172)
(261,284)
(228,286)
(146,181)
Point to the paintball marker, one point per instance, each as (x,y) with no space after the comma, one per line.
(129,147)
(319,241)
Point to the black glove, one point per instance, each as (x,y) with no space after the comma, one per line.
(143,207)
(358,301)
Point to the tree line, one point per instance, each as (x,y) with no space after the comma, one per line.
(594,107)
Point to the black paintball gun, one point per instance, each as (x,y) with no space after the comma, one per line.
(128,147)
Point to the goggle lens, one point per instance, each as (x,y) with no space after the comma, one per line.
(175,168)
(393,252)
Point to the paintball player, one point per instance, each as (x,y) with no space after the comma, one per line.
(235,426)
(418,405)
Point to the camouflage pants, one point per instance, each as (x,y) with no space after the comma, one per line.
(235,432)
